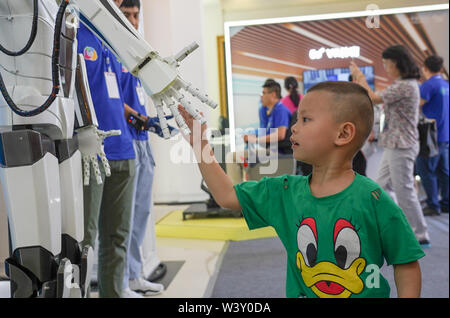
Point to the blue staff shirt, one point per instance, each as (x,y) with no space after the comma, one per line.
(110,111)
(133,96)
(279,117)
(435,92)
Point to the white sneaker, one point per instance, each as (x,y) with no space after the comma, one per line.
(128,293)
(145,287)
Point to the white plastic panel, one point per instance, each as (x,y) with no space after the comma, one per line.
(33,203)
(72,197)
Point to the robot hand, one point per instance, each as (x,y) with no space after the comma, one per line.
(90,141)
(153,124)
(172,96)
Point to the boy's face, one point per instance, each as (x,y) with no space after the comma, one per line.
(315,131)
(132,14)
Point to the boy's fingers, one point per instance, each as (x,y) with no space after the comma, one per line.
(184,112)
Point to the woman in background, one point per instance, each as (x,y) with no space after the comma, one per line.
(293,99)
(400,137)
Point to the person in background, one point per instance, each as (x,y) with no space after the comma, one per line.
(292,100)
(134,97)
(272,114)
(400,136)
(434,102)
(274,120)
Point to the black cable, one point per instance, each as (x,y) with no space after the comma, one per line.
(55,71)
(32,34)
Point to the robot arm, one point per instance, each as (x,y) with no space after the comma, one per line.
(159,76)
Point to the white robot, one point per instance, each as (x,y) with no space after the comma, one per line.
(48,126)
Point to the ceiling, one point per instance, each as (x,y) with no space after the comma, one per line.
(280,50)
(244,5)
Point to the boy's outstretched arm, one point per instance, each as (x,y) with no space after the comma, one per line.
(408,279)
(219,184)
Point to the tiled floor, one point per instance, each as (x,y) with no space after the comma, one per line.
(201,258)
(197,275)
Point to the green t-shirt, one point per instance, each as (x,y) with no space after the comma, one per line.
(336,244)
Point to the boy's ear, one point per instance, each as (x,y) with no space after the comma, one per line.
(346,134)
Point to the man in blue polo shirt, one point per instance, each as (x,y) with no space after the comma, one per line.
(107,206)
(433,171)
(272,114)
(274,120)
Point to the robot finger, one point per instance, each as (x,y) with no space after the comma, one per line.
(204,98)
(96,168)
(185,52)
(105,163)
(178,118)
(187,105)
(86,170)
(109,133)
(159,105)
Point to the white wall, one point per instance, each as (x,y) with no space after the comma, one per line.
(170,25)
(212,28)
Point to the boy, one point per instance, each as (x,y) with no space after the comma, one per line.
(335,224)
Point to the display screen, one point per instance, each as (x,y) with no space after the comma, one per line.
(312,77)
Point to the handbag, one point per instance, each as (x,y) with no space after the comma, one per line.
(428,137)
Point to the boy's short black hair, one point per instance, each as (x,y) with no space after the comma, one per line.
(131,4)
(434,63)
(273,86)
(352,103)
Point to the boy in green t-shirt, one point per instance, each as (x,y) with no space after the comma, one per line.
(336,225)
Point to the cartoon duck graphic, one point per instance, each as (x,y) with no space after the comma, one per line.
(329,279)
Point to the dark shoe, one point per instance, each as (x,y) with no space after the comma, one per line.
(425,243)
(444,209)
(430,212)
(158,273)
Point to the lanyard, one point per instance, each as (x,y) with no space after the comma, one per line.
(105,51)
(109,65)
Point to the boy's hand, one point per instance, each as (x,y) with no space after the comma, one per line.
(218,182)
(194,126)
(250,139)
(153,125)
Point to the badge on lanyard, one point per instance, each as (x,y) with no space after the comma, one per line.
(111,82)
